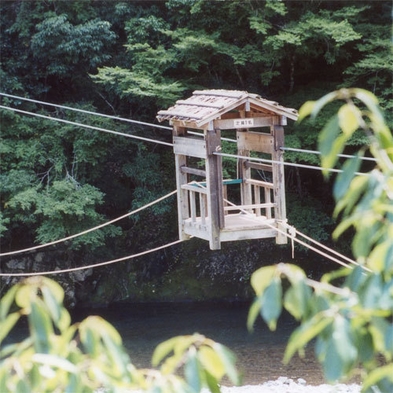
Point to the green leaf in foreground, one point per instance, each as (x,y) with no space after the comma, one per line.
(305,333)
(272,303)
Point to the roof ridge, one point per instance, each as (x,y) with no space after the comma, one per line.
(206,105)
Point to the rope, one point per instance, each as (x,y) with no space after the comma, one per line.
(91,229)
(90,266)
(327,248)
(292,235)
(284,163)
(170,144)
(319,153)
(86,126)
(87,112)
(159,126)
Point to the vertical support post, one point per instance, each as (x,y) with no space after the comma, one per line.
(183,206)
(214,187)
(268,199)
(257,199)
(279,182)
(244,173)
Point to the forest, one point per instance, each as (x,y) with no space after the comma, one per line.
(130,59)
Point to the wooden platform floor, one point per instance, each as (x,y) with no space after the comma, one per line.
(237,227)
(236,222)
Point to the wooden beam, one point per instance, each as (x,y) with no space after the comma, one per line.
(194,188)
(279,183)
(244,172)
(260,183)
(247,234)
(198,103)
(215,188)
(188,124)
(258,166)
(182,195)
(248,207)
(193,171)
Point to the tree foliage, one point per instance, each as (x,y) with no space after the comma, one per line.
(349,312)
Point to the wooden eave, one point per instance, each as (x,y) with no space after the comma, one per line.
(205,106)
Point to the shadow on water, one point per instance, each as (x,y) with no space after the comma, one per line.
(259,354)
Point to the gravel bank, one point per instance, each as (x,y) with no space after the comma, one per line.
(287,385)
(283,385)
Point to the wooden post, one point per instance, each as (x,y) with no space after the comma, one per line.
(279,183)
(244,173)
(183,204)
(214,187)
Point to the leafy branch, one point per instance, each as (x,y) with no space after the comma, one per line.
(62,357)
(349,313)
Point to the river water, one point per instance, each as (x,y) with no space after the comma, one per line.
(259,354)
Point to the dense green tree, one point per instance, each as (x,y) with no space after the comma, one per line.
(50,47)
(56,177)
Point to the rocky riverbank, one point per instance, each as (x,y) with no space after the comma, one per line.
(287,385)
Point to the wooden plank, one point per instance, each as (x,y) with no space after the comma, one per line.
(260,183)
(186,113)
(194,188)
(221,93)
(247,234)
(253,141)
(200,231)
(187,123)
(247,122)
(244,227)
(247,207)
(193,171)
(274,107)
(189,101)
(191,147)
(258,166)
(237,227)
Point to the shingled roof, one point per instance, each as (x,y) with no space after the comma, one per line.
(207,105)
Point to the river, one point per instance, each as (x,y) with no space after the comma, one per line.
(259,354)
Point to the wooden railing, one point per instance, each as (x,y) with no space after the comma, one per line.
(198,207)
(258,187)
(197,197)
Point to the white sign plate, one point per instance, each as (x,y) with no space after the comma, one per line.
(243,123)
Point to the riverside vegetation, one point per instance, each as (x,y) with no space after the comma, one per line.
(348,312)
